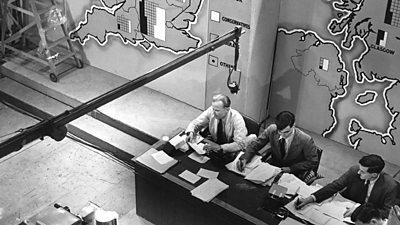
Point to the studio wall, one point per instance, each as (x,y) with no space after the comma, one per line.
(336,67)
(115,38)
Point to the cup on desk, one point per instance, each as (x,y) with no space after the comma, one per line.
(166,146)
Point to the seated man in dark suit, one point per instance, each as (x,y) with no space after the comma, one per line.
(226,126)
(368,214)
(291,149)
(365,183)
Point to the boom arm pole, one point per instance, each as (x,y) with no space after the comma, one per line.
(55,127)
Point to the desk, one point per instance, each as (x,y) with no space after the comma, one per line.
(166,198)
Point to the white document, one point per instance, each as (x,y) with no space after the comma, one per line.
(178,141)
(162,157)
(189,176)
(290,221)
(317,217)
(262,173)
(232,166)
(199,158)
(199,148)
(291,182)
(335,209)
(306,190)
(209,189)
(207,173)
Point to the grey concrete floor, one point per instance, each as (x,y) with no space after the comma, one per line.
(69,173)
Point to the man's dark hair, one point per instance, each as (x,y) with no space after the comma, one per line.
(226,101)
(284,119)
(375,163)
(366,212)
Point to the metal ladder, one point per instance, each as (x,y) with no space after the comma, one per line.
(50,53)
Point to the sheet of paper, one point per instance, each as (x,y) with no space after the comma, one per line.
(199,158)
(290,221)
(148,160)
(189,176)
(162,157)
(335,209)
(207,173)
(199,148)
(178,141)
(262,173)
(317,217)
(292,183)
(306,190)
(184,147)
(334,221)
(248,168)
(209,189)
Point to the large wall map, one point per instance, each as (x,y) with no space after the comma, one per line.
(164,24)
(349,61)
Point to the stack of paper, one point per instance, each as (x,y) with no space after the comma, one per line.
(262,173)
(232,166)
(157,160)
(209,189)
(199,148)
(189,176)
(292,183)
(179,142)
(327,213)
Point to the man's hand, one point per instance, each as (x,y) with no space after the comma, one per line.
(240,164)
(190,137)
(301,202)
(349,211)
(211,146)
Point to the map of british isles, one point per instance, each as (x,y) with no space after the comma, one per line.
(163,24)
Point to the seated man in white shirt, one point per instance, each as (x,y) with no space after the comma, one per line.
(226,126)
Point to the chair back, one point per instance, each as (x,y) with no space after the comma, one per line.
(319,152)
(251,125)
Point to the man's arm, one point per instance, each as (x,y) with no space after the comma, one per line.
(255,146)
(310,154)
(200,122)
(335,186)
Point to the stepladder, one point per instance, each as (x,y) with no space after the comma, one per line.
(43,23)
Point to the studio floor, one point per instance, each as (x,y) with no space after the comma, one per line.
(73,174)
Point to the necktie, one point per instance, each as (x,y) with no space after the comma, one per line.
(220,133)
(282,143)
(366,191)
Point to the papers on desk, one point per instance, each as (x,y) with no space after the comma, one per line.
(326,213)
(153,161)
(248,168)
(189,176)
(207,173)
(290,221)
(209,189)
(198,147)
(162,157)
(262,173)
(179,142)
(199,158)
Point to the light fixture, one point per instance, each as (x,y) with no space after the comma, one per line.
(232,84)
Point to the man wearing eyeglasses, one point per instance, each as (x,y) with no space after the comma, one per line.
(363,183)
(291,149)
(226,127)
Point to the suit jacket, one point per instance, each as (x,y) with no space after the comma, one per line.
(383,194)
(301,156)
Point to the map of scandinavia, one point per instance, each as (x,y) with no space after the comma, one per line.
(163,24)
